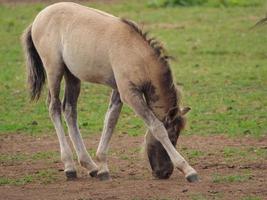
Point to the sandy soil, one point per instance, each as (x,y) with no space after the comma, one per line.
(131,178)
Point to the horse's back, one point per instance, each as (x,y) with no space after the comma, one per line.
(69,11)
(80,36)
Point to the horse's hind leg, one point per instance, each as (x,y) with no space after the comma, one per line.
(54,77)
(72,91)
(110,122)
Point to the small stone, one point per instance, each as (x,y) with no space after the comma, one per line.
(131,173)
(231,166)
(185,190)
(213,191)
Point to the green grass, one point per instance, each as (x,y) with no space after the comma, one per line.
(251,198)
(221,66)
(8,159)
(198,197)
(192,153)
(230,178)
(213,3)
(42,176)
(235,155)
(11,159)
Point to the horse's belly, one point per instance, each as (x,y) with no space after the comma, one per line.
(93,74)
(96,72)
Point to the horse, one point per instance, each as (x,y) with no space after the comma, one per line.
(77,43)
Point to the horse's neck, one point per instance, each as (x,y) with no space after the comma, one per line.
(162,95)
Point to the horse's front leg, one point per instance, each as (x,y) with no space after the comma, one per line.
(110,122)
(156,127)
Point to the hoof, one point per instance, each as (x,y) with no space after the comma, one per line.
(71,175)
(103,176)
(192,178)
(93,173)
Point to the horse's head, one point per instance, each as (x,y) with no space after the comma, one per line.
(160,162)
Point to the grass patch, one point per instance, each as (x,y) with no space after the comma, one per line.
(11,159)
(212,3)
(194,153)
(251,198)
(230,178)
(234,154)
(21,181)
(45,155)
(124,157)
(197,197)
(42,176)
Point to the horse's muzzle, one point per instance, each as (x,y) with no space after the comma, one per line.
(163,173)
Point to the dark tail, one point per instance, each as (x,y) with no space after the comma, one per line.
(36,72)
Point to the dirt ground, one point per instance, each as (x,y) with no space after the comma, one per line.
(131,178)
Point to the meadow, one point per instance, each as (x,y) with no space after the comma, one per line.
(220,65)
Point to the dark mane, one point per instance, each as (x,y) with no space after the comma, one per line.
(171,91)
(156,45)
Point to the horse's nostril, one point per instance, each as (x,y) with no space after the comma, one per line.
(166,174)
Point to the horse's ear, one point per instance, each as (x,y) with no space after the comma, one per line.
(185,110)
